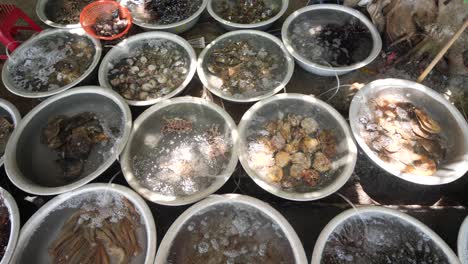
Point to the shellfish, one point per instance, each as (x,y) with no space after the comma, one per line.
(73,139)
(405,136)
(287,151)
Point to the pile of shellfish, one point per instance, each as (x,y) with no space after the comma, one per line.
(247,11)
(98,235)
(245,69)
(6,128)
(151,71)
(52,62)
(293,152)
(73,139)
(404,136)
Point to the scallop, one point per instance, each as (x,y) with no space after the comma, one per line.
(285,130)
(311,177)
(301,159)
(294,120)
(282,159)
(296,170)
(278,142)
(275,174)
(309,125)
(321,162)
(271,127)
(310,145)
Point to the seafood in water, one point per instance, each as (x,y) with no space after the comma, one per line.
(245,69)
(230,233)
(245,11)
(330,44)
(151,70)
(66,11)
(166,12)
(177,125)
(97,236)
(51,62)
(73,139)
(404,136)
(110,26)
(4,228)
(6,128)
(296,152)
(217,146)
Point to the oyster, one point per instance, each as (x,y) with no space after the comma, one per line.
(275,174)
(311,177)
(310,145)
(73,138)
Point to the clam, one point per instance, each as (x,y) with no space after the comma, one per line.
(428,124)
(418,131)
(321,162)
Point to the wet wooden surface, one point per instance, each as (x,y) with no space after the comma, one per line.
(442,208)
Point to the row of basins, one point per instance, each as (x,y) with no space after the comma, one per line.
(182,149)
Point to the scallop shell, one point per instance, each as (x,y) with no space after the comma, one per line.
(321,162)
(301,159)
(310,145)
(296,170)
(309,125)
(311,177)
(277,141)
(275,174)
(282,159)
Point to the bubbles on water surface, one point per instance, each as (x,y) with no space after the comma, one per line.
(379,239)
(228,233)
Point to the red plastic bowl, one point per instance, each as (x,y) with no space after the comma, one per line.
(102,10)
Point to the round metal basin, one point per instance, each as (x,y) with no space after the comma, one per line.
(258,41)
(39,232)
(454,129)
(126,47)
(9,110)
(32,166)
(180,151)
(15,223)
(329,14)
(40,54)
(263,25)
(252,127)
(231,228)
(380,231)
